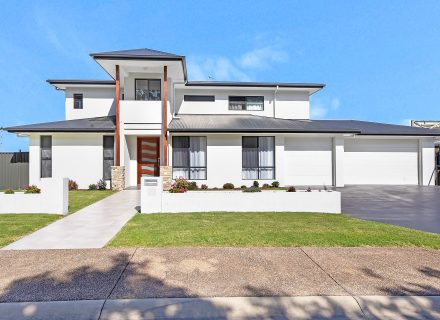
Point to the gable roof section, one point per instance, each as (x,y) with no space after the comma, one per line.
(99,124)
(144,53)
(257,124)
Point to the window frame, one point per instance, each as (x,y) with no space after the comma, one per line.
(147,79)
(104,157)
(258,158)
(245,102)
(43,159)
(199,98)
(189,167)
(78,97)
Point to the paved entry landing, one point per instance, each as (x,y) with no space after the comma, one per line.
(91,227)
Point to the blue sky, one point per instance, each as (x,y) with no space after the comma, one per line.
(380,60)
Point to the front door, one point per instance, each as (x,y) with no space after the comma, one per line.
(147,157)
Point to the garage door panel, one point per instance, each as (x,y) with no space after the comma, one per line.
(380,162)
(308,161)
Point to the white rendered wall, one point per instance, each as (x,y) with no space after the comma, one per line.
(289,105)
(97,102)
(381,161)
(308,161)
(77,156)
(427,157)
(54,198)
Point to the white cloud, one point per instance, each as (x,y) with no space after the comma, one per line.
(262,58)
(238,69)
(318,111)
(320,108)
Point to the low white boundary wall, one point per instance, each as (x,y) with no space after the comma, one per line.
(54,198)
(153,200)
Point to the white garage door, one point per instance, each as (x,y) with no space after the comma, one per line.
(376,161)
(308,161)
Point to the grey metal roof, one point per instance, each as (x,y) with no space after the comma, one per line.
(253,84)
(100,124)
(65,81)
(135,54)
(254,124)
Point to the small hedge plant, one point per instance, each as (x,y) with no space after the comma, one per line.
(291,189)
(266,186)
(204,187)
(180,185)
(73,185)
(32,189)
(193,186)
(93,186)
(228,186)
(256,184)
(275,184)
(101,185)
(9,191)
(252,189)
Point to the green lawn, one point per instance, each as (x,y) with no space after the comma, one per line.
(15,226)
(264,229)
(79,199)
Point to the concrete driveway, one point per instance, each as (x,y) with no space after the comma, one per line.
(408,206)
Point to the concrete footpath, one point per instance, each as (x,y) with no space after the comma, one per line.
(221,283)
(90,227)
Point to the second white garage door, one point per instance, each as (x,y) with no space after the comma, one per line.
(376,161)
(308,161)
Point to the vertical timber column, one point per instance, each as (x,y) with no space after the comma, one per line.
(118,171)
(165,170)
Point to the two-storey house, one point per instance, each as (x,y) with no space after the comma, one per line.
(150,120)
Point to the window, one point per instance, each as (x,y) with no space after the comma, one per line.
(108,156)
(147,89)
(46,156)
(199,98)
(189,158)
(77,101)
(246,103)
(258,158)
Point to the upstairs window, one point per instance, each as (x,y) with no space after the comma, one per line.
(198,98)
(77,101)
(148,89)
(258,158)
(246,103)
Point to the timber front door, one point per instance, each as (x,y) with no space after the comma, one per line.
(147,157)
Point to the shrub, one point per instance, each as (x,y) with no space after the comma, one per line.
(291,189)
(252,189)
(193,185)
(73,185)
(93,186)
(9,191)
(204,186)
(32,189)
(275,184)
(243,187)
(309,189)
(101,185)
(228,186)
(256,184)
(180,185)
(266,186)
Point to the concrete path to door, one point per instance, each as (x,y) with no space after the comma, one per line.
(91,227)
(414,207)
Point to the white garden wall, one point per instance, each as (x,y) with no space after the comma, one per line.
(54,198)
(154,200)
